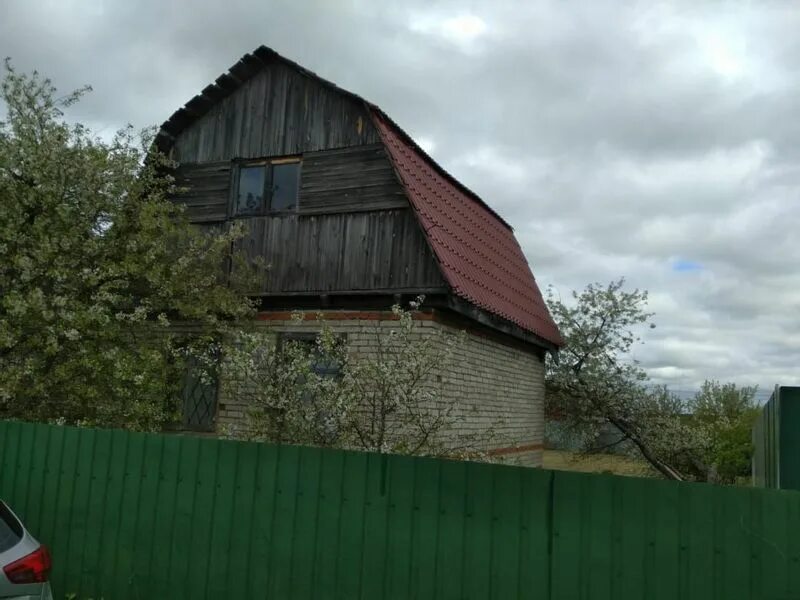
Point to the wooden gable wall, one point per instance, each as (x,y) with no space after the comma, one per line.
(353,230)
(279,111)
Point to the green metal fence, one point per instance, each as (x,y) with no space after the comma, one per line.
(155,516)
(776,441)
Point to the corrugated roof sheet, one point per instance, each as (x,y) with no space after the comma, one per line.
(478,253)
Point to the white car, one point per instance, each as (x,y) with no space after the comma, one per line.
(24,562)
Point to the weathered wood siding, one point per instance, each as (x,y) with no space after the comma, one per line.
(278,112)
(349,179)
(353,231)
(205,190)
(380,250)
(359,178)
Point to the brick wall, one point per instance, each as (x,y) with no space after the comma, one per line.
(500,386)
(495,385)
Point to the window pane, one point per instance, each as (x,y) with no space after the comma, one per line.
(251,190)
(285,184)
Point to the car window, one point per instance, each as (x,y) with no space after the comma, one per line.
(10,529)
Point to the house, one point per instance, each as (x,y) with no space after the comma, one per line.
(353,216)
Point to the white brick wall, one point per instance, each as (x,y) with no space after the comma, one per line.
(495,385)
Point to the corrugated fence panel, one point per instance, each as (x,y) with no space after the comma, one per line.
(776,441)
(132,515)
(790,438)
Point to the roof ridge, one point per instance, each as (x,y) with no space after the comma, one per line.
(250,64)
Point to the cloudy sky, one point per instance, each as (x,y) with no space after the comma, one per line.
(655,141)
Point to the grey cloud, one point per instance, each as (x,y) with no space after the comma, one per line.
(617,138)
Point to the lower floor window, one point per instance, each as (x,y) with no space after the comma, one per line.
(199,394)
(320,364)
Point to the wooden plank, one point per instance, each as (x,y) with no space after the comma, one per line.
(206,190)
(348,208)
(342,252)
(268,129)
(275,144)
(274,111)
(258,106)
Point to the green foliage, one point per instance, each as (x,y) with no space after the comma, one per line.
(725,414)
(98,268)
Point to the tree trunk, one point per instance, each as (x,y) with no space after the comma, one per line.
(659,465)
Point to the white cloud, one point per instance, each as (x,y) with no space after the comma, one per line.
(463,30)
(724,55)
(617,138)
(426,143)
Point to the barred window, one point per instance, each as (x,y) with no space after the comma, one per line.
(200,391)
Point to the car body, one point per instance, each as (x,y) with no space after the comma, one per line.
(24,562)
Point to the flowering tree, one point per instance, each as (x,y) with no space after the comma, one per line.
(594,380)
(289,398)
(98,268)
(384,395)
(397,386)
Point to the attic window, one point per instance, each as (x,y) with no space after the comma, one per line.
(250,193)
(266,186)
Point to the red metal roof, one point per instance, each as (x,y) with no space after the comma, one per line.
(477,251)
